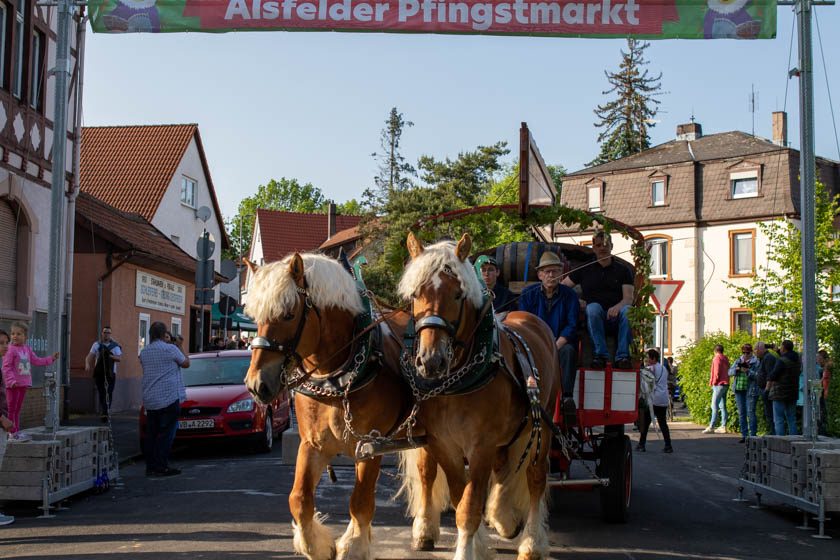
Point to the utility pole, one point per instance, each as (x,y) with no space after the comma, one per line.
(57,206)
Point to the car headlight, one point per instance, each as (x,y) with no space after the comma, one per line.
(245,405)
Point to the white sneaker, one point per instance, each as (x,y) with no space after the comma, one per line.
(720,430)
(708,430)
(6,519)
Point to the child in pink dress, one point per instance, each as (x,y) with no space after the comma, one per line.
(17,372)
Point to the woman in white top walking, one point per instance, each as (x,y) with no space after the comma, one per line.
(660,403)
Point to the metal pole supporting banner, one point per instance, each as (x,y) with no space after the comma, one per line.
(807,191)
(57,203)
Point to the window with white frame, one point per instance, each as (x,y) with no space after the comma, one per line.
(659,264)
(835,293)
(593,198)
(175,327)
(657,192)
(17,65)
(37,74)
(188,192)
(662,326)
(143,331)
(743,184)
(741,251)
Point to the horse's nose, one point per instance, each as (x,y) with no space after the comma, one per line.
(428,363)
(260,391)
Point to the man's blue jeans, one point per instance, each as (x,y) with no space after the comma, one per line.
(746,413)
(568,364)
(161,426)
(768,412)
(597,324)
(784,412)
(719,402)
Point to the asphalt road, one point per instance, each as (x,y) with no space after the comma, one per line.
(233,506)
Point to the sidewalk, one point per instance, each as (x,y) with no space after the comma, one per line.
(124,429)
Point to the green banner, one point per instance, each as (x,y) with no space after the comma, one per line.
(645,19)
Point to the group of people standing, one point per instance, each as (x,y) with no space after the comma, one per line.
(776,379)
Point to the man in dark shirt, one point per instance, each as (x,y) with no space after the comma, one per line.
(783,388)
(607,287)
(558,306)
(503,299)
(766,364)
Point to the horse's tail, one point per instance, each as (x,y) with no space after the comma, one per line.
(412,485)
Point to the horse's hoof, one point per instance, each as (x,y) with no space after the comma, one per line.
(423,545)
(516,532)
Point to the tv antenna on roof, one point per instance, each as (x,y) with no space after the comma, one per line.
(752,105)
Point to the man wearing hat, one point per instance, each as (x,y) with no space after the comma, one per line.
(607,294)
(503,299)
(558,306)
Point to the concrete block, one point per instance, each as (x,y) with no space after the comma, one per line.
(825,475)
(28,493)
(780,472)
(27,464)
(780,484)
(825,458)
(828,489)
(781,459)
(781,444)
(47,448)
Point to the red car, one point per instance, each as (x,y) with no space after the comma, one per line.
(219,406)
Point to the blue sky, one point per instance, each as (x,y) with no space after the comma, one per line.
(311,106)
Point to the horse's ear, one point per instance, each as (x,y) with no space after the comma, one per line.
(415,246)
(462,250)
(296,270)
(251,266)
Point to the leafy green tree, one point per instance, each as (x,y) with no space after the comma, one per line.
(775,294)
(286,194)
(395,172)
(625,119)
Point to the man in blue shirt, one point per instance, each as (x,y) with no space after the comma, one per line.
(558,306)
(163,393)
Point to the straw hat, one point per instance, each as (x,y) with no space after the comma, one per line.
(549,259)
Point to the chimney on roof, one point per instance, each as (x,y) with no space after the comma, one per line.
(780,128)
(689,131)
(331,220)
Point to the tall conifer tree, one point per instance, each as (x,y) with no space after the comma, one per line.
(624,121)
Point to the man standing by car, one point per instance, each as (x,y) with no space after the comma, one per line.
(163,393)
(102,359)
(607,295)
(558,306)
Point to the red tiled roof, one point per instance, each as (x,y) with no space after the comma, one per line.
(131,231)
(130,167)
(341,238)
(285,232)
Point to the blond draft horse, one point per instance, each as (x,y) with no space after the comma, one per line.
(306,308)
(484,426)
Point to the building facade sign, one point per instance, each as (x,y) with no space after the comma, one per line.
(154,292)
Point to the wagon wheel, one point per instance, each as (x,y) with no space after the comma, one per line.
(616,463)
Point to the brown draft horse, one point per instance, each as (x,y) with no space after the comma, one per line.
(483,426)
(306,308)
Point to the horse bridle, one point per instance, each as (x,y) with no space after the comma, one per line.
(289,350)
(438,322)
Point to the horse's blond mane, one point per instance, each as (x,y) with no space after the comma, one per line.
(424,269)
(273,292)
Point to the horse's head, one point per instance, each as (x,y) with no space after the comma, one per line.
(445,294)
(287,300)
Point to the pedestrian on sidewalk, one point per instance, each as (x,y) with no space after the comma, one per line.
(767,361)
(719,380)
(783,384)
(17,373)
(102,360)
(5,423)
(163,393)
(660,402)
(742,374)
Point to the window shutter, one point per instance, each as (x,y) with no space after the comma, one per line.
(8,256)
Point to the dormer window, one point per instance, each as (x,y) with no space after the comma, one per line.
(743,184)
(657,192)
(594,195)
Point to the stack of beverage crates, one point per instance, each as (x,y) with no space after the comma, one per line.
(72,460)
(796,466)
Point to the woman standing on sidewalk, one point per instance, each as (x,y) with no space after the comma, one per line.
(719,380)
(659,400)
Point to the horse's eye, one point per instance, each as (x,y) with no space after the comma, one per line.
(460,295)
(288,316)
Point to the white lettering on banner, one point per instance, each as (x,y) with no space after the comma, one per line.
(480,16)
(154,292)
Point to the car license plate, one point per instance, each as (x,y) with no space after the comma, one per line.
(195,424)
